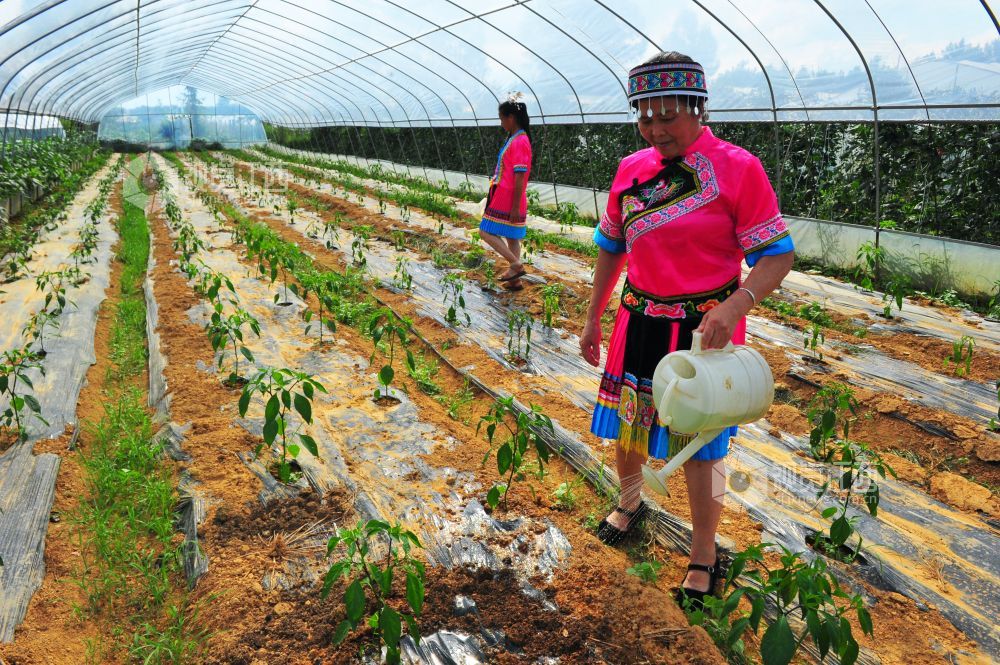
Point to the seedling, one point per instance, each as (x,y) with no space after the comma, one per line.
(519,323)
(870,261)
(565,494)
(325,286)
(360,245)
(51,283)
(293,207)
(399,240)
(854,462)
(376,553)
(14,367)
(453,297)
(386,325)
(381,206)
(402,279)
(550,302)
(522,434)
(227,331)
(961,355)
(813,340)
(799,587)
(457,403)
(423,373)
(489,277)
(647,571)
(533,243)
(832,403)
(568,215)
(897,289)
(283,389)
(36,326)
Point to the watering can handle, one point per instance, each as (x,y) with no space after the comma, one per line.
(696,345)
(661,408)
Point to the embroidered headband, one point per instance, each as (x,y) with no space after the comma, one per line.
(666,78)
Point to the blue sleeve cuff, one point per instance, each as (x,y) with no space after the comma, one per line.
(606,243)
(782,246)
(520,169)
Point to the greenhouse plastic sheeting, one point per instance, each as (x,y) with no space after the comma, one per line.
(380,62)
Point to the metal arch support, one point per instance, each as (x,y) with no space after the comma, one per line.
(428,88)
(382,76)
(616,78)
(555,190)
(68,86)
(993,17)
(889,32)
(81,57)
(774,48)
(74,84)
(440,28)
(871,84)
(348,83)
(770,89)
(297,107)
(77,35)
(109,65)
(238,59)
(273,60)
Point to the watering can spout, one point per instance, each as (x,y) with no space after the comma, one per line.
(657,480)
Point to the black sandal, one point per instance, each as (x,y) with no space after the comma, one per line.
(693,600)
(520,273)
(609,534)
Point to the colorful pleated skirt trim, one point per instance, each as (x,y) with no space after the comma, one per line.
(646,329)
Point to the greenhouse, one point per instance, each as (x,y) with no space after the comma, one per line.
(541,331)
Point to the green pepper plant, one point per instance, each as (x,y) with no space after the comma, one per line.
(522,434)
(375,555)
(282,390)
(226,330)
(386,325)
(14,367)
(796,588)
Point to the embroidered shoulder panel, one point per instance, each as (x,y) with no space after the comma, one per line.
(761,235)
(679,188)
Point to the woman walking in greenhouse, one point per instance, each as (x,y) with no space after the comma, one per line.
(684,213)
(503,225)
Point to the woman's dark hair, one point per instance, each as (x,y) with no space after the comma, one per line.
(520,112)
(690,101)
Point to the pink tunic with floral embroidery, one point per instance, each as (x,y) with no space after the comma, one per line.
(687,229)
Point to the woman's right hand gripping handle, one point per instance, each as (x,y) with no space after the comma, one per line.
(590,342)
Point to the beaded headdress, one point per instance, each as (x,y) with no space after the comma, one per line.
(666,78)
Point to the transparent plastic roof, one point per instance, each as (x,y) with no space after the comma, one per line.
(444,62)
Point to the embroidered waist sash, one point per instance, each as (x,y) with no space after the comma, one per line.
(685,306)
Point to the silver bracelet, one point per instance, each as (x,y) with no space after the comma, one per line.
(750,293)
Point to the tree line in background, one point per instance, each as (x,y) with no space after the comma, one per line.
(938,179)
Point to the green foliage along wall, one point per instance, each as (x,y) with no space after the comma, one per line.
(938,179)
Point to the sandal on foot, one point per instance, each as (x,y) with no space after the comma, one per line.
(514,285)
(609,534)
(521,272)
(693,600)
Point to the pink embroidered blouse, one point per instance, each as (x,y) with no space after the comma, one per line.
(687,224)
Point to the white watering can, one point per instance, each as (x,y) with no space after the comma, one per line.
(704,392)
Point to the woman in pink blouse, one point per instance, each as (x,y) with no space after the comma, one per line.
(503,224)
(683,214)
